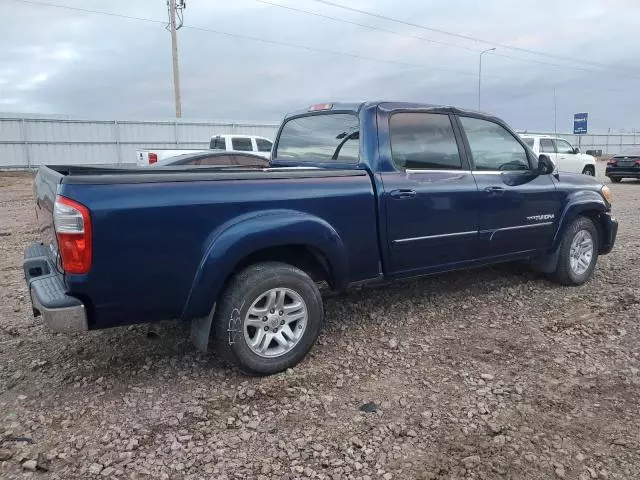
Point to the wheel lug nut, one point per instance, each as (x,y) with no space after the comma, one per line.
(281,322)
(266,329)
(272,310)
(264,319)
(281,312)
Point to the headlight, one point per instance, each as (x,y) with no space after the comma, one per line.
(606,194)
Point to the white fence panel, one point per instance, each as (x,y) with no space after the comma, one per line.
(30,141)
(13,155)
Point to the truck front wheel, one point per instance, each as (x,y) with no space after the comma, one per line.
(268,318)
(578,253)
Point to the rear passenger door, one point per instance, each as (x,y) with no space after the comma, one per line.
(518,207)
(548,147)
(568,160)
(430,199)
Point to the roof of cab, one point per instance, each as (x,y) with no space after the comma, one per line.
(356,107)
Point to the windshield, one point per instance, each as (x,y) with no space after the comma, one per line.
(326,137)
(529,142)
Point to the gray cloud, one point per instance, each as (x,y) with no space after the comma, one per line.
(61,61)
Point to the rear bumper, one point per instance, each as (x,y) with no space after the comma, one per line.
(610,230)
(60,312)
(622,172)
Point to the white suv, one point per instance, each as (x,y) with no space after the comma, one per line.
(566,157)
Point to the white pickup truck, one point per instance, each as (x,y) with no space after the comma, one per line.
(231,143)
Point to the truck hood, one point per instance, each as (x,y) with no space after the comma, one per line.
(578,179)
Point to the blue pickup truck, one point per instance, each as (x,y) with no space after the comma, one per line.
(355,194)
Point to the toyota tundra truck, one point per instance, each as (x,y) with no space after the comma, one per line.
(354,194)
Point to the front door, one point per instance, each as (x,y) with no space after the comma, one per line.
(431,198)
(518,207)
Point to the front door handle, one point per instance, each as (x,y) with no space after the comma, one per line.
(494,190)
(403,193)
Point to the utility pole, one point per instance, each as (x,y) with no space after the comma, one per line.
(176,20)
(480,75)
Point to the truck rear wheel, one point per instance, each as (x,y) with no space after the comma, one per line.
(268,318)
(589,170)
(578,253)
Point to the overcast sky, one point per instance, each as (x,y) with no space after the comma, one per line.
(60,61)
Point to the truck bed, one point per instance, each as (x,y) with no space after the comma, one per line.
(154,232)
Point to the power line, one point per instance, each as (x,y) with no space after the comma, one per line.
(430,40)
(249,37)
(459,35)
(273,42)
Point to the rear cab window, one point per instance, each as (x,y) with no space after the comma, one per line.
(263,145)
(326,137)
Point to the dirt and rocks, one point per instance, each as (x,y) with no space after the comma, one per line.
(494,373)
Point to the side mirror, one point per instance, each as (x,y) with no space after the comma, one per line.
(576,150)
(545,165)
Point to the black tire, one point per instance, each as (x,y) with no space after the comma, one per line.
(241,292)
(616,179)
(564,274)
(589,170)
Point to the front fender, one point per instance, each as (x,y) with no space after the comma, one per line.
(578,203)
(233,241)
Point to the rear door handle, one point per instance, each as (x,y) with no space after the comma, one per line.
(403,193)
(494,190)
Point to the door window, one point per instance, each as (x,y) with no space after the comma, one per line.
(564,147)
(242,144)
(493,147)
(547,145)
(263,145)
(423,141)
(217,143)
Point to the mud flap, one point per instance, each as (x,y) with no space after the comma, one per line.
(546,263)
(200,331)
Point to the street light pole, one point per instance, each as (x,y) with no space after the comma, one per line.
(480,75)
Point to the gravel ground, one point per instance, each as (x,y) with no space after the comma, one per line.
(493,373)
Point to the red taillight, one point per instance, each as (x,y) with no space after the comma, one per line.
(637,163)
(612,162)
(153,158)
(72,223)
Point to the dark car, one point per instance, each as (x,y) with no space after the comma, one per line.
(215,158)
(624,165)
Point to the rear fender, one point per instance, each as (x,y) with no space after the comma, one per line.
(578,203)
(234,241)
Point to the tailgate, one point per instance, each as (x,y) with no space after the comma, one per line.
(46,188)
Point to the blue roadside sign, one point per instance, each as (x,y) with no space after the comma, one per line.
(580,121)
